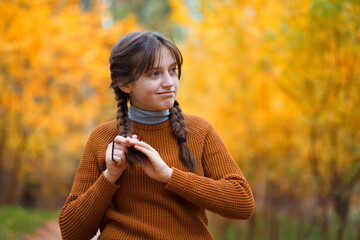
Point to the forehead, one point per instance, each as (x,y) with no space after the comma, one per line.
(164,57)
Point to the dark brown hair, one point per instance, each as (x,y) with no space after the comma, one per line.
(134,54)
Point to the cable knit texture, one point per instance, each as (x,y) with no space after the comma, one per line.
(138,207)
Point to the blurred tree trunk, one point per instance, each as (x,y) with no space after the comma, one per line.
(341,197)
(12,190)
(2,169)
(252,227)
(358,233)
(341,203)
(342,200)
(16,166)
(272,210)
(323,219)
(30,192)
(341,190)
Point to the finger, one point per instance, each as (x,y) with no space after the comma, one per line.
(142,144)
(117,159)
(120,139)
(108,152)
(119,153)
(128,140)
(114,155)
(122,147)
(145,151)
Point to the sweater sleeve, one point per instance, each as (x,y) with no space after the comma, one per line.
(89,198)
(223,190)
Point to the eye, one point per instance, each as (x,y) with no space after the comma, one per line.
(154,74)
(173,71)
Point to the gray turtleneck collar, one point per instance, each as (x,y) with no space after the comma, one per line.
(148,117)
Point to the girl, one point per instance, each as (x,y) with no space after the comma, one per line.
(152,172)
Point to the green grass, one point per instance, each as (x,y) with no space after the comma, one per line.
(287,227)
(16,220)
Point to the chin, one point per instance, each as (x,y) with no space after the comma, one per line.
(164,108)
(168,105)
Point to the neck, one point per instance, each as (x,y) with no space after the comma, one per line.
(148,117)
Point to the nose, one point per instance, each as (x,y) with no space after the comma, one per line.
(167,80)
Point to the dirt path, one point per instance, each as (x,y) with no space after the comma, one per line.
(49,231)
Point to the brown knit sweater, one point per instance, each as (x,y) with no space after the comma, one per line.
(138,207)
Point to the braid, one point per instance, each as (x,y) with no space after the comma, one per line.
(178,129)
(123,121)
(125,127)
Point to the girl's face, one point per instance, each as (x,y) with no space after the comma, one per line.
(157,88)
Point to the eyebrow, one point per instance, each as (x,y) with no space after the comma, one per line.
(174,63)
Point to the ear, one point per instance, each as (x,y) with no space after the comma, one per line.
(125,88)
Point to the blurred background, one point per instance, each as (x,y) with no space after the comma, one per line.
(279,80)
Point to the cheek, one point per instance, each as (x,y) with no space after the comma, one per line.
(148,94)
(176,84)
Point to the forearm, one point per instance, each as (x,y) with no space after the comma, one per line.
(82,214)
(230,197)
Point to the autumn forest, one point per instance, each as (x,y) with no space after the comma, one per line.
(279,80)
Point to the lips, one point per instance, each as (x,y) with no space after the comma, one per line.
(168,93)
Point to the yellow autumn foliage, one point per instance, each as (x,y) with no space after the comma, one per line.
(280,82)
(54,75)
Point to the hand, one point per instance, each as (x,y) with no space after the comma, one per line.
(115,168)
(156,168)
